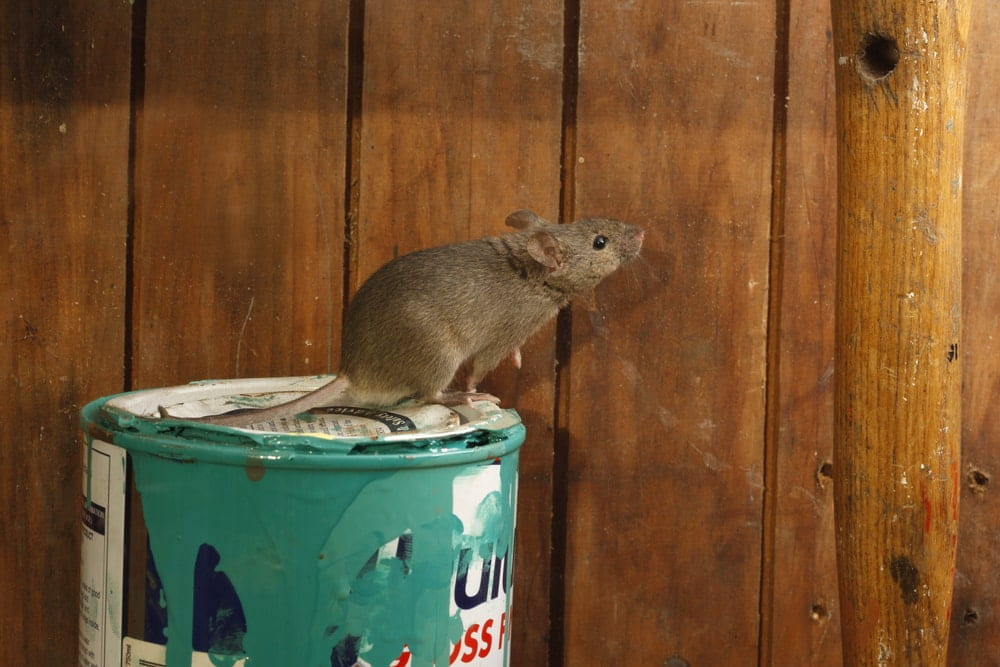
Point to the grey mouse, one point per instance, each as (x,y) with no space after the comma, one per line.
(452,313)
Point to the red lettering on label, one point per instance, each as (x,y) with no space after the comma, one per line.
(454,653)
(471,643)
(404,658)
(481,640)
(487,639)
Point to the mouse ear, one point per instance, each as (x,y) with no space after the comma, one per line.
(544,249)
(524,219)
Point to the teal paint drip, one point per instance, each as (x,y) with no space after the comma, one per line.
(326,542)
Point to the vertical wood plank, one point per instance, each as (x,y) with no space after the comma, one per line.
(240,191)
(64,125)
(900,75)
(975,621)
(460,122)
(805,618)
(665,382)
(460,126)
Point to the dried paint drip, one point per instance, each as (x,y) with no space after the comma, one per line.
(278,550)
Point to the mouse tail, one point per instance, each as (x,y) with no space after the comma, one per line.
(329,394)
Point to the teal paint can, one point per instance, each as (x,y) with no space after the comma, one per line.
(346,538)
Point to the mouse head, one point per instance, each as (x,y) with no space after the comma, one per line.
(579,255)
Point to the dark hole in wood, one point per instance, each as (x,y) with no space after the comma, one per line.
(978,480)
(824,474)
(879,56)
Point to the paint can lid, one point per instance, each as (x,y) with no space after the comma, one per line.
(411,420)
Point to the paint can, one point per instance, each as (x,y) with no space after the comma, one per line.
(344,537)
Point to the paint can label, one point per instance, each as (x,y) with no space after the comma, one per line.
(483,573)
(102,554)
(352,559)
(481,577)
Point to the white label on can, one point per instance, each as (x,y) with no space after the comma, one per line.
(480,587)
(102,555)
(138,653)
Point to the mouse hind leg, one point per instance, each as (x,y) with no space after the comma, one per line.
(460,386)
(474,369)
(433,393)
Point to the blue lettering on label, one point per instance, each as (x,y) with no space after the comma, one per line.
(487,589)
(394,421)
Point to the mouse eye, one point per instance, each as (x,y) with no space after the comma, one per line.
(600,241)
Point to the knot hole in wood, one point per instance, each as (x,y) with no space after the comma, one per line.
(878,57)
(824,474)
(978,480)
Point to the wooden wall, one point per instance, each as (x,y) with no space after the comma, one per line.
(193,189)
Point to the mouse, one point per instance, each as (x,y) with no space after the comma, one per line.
(431,324)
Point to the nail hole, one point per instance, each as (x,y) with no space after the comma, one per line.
(970,617)
(818,613)
(824,474)
(879,56)
(978,480)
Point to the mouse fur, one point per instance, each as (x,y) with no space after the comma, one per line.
(456,311)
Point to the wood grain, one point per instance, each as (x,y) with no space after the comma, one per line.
(242,168)
(975,622)
(240,191)
(900,107)
(664,386)
(461,125)
(805,615)
(64,107)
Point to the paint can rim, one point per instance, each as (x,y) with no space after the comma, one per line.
(429,438)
